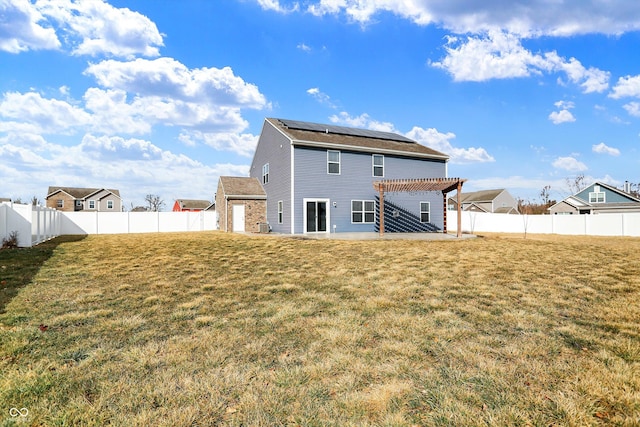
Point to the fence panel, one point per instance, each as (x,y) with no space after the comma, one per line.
(136,222)
(17,218)
(613,224)
(45,224)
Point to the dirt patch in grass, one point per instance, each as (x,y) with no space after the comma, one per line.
(222,329)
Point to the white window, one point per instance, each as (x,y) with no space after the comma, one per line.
(109,204)
(265,173)
(92,204)
(596,196)
(425,208)
(378,164)
(333,162)
(280,211)
(363,211)
(60,203)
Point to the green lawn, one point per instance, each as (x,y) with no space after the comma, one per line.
(190,329)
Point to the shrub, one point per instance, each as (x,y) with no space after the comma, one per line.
(10,242)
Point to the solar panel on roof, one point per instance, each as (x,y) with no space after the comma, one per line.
(343,130)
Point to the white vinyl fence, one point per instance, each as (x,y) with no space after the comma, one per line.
(36,224)
(610,224)
(136,222)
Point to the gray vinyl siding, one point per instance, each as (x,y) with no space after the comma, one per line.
(274,148)
(504,199)
(355,182)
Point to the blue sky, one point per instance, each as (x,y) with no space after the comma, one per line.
(162,96)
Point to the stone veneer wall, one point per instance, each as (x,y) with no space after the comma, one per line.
(255,212)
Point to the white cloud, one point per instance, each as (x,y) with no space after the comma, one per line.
(44,115)
(362,121)
(633,108)
(304,47)
(206,104)
(20,28)
(526,18)
(570,164)
(442,142)
(321,97)
(166,77)
(565,105)
(242,144)
(94,27)
(500,55)
(628,86)
(113,162)
(275,6)
(602,148)
(562,116)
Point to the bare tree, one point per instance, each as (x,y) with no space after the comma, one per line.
(155,202)
(576,184)
(545,195)
(35,201)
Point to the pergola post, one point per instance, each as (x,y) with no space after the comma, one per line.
(381,210)
(444,204)
(458,196)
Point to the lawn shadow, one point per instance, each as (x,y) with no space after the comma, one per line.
(19,266)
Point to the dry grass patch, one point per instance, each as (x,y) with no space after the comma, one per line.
(223,329)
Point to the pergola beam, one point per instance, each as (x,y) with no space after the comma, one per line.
(445,185)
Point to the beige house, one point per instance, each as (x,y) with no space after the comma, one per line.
(492,201)
(71,199)
(241,205)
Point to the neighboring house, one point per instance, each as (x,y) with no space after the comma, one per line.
(241,204)
(185,205)
(492,201)
(5,199)
(72,199)
(595,199)
(323,178)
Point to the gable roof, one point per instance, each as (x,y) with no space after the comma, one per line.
(193,204)
(79,193)
(577,202)
(355,139)
(242,187)
(626,196)
(480,196)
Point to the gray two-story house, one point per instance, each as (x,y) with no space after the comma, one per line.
(320,179)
